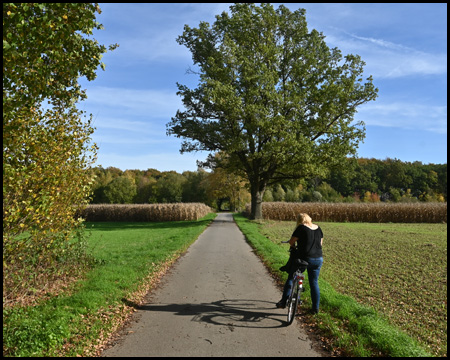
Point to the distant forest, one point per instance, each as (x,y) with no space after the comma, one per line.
(363,180)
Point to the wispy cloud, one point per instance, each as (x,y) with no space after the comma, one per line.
(405,115)
(131,118)
(397,60)
(151,103)
(124,124)
(157,43)
(154,28)
(382,43)
(386,59)
(102,139)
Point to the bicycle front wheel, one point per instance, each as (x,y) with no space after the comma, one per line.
(293,302)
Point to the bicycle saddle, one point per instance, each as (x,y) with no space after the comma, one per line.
(300,264)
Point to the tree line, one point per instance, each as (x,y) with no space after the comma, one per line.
(217,189)
(367,180)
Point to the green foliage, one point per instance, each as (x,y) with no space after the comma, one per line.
(45,52)
(226,188)
(268,196)
(170,187)
(43,178)
(193,189)
(278,193)
(146,190)
(46,149)
(391,179)
(370,180)
(121,190)
(272,96)
(328,193)
(156,187)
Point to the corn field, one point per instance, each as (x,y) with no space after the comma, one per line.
(144,212)
(357,212)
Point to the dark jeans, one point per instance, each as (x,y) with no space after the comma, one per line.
(314,265)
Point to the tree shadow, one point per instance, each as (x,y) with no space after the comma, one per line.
(232,313)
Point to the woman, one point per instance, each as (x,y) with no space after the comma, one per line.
(309,238)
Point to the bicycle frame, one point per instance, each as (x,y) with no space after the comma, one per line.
(297,288)
(295,298)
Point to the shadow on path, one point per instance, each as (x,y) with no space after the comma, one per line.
(234,313)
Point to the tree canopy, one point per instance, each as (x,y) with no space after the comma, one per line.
(46,48)
(271,95)
(46,139)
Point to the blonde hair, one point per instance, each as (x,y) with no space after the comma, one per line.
(303,218)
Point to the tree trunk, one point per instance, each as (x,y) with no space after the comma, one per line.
(257,192)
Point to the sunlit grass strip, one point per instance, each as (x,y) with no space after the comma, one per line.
(357,328)
(357,212)
(129,256)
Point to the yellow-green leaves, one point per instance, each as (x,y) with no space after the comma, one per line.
(43,41)
(46,149)
(44,176)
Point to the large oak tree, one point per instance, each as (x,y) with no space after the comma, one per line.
(272,95)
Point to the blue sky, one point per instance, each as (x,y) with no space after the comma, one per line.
(404,47)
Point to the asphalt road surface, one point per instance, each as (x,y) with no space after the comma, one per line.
(217,300)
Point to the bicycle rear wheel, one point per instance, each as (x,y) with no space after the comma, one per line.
(293,302)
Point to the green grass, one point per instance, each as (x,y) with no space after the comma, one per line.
(405,262)
(128,257)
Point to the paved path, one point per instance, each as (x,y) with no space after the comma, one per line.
(218,300)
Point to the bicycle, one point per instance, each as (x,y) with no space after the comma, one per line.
(294,299)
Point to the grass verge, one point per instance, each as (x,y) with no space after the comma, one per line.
(130,258)
(355,329)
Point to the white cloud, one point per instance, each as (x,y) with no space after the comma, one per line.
(156,46)
(385,59)
(148,32)
(102,139)
(405,115)
(382,43)
(151,103)
(125,124)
